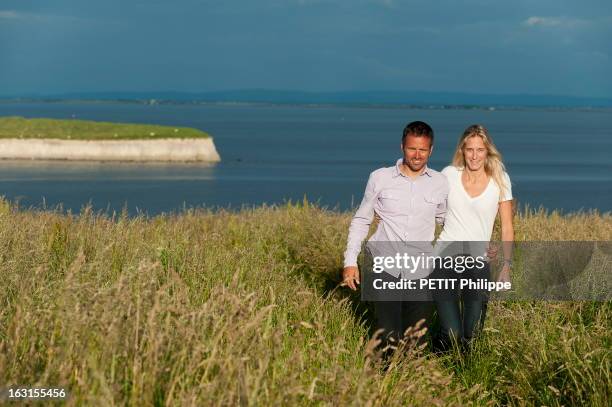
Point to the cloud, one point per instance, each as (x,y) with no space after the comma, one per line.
(309,2)
(9,14)
(562,22)
(386,3)
(36,18)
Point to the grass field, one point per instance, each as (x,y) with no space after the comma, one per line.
(21,128)
(243,308)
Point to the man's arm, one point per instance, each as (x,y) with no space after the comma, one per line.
(360,225)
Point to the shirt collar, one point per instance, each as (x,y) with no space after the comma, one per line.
(397,172)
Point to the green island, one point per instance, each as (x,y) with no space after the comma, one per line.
(71,129)
(243,308)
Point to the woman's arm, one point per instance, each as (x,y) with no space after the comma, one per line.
(507,237)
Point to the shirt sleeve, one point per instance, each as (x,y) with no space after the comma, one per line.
(360,225)
(506,192)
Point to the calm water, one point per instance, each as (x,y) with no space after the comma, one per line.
(273,154)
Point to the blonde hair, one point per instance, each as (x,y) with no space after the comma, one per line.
(494,167)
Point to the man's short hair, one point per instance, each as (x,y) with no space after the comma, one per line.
(419,129)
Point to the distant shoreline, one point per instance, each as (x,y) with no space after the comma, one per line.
(354,105)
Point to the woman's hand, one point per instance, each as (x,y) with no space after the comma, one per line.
(492,251)
(377,217)
(350,277)
(504,275)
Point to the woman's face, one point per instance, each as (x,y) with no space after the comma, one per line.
(474,153)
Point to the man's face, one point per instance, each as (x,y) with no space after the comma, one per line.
(417,150)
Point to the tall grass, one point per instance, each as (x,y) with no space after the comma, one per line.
(21,128)
(243,308)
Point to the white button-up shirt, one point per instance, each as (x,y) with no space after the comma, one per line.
(408,208)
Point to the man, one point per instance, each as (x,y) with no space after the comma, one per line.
(408,198)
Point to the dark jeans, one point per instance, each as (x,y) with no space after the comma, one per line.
(397,310)
(460,310)
(395,317)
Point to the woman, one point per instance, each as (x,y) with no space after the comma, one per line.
(479,190)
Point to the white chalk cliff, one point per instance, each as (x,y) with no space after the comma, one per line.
(110,150)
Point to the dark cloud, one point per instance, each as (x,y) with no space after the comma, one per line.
(524,46)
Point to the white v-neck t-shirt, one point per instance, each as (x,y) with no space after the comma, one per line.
(467,218)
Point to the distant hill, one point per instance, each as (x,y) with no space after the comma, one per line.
(348,97)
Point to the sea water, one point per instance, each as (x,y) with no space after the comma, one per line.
(558,159)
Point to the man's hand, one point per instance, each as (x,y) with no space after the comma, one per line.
(350,277)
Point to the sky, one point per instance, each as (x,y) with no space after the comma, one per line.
(556,47)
